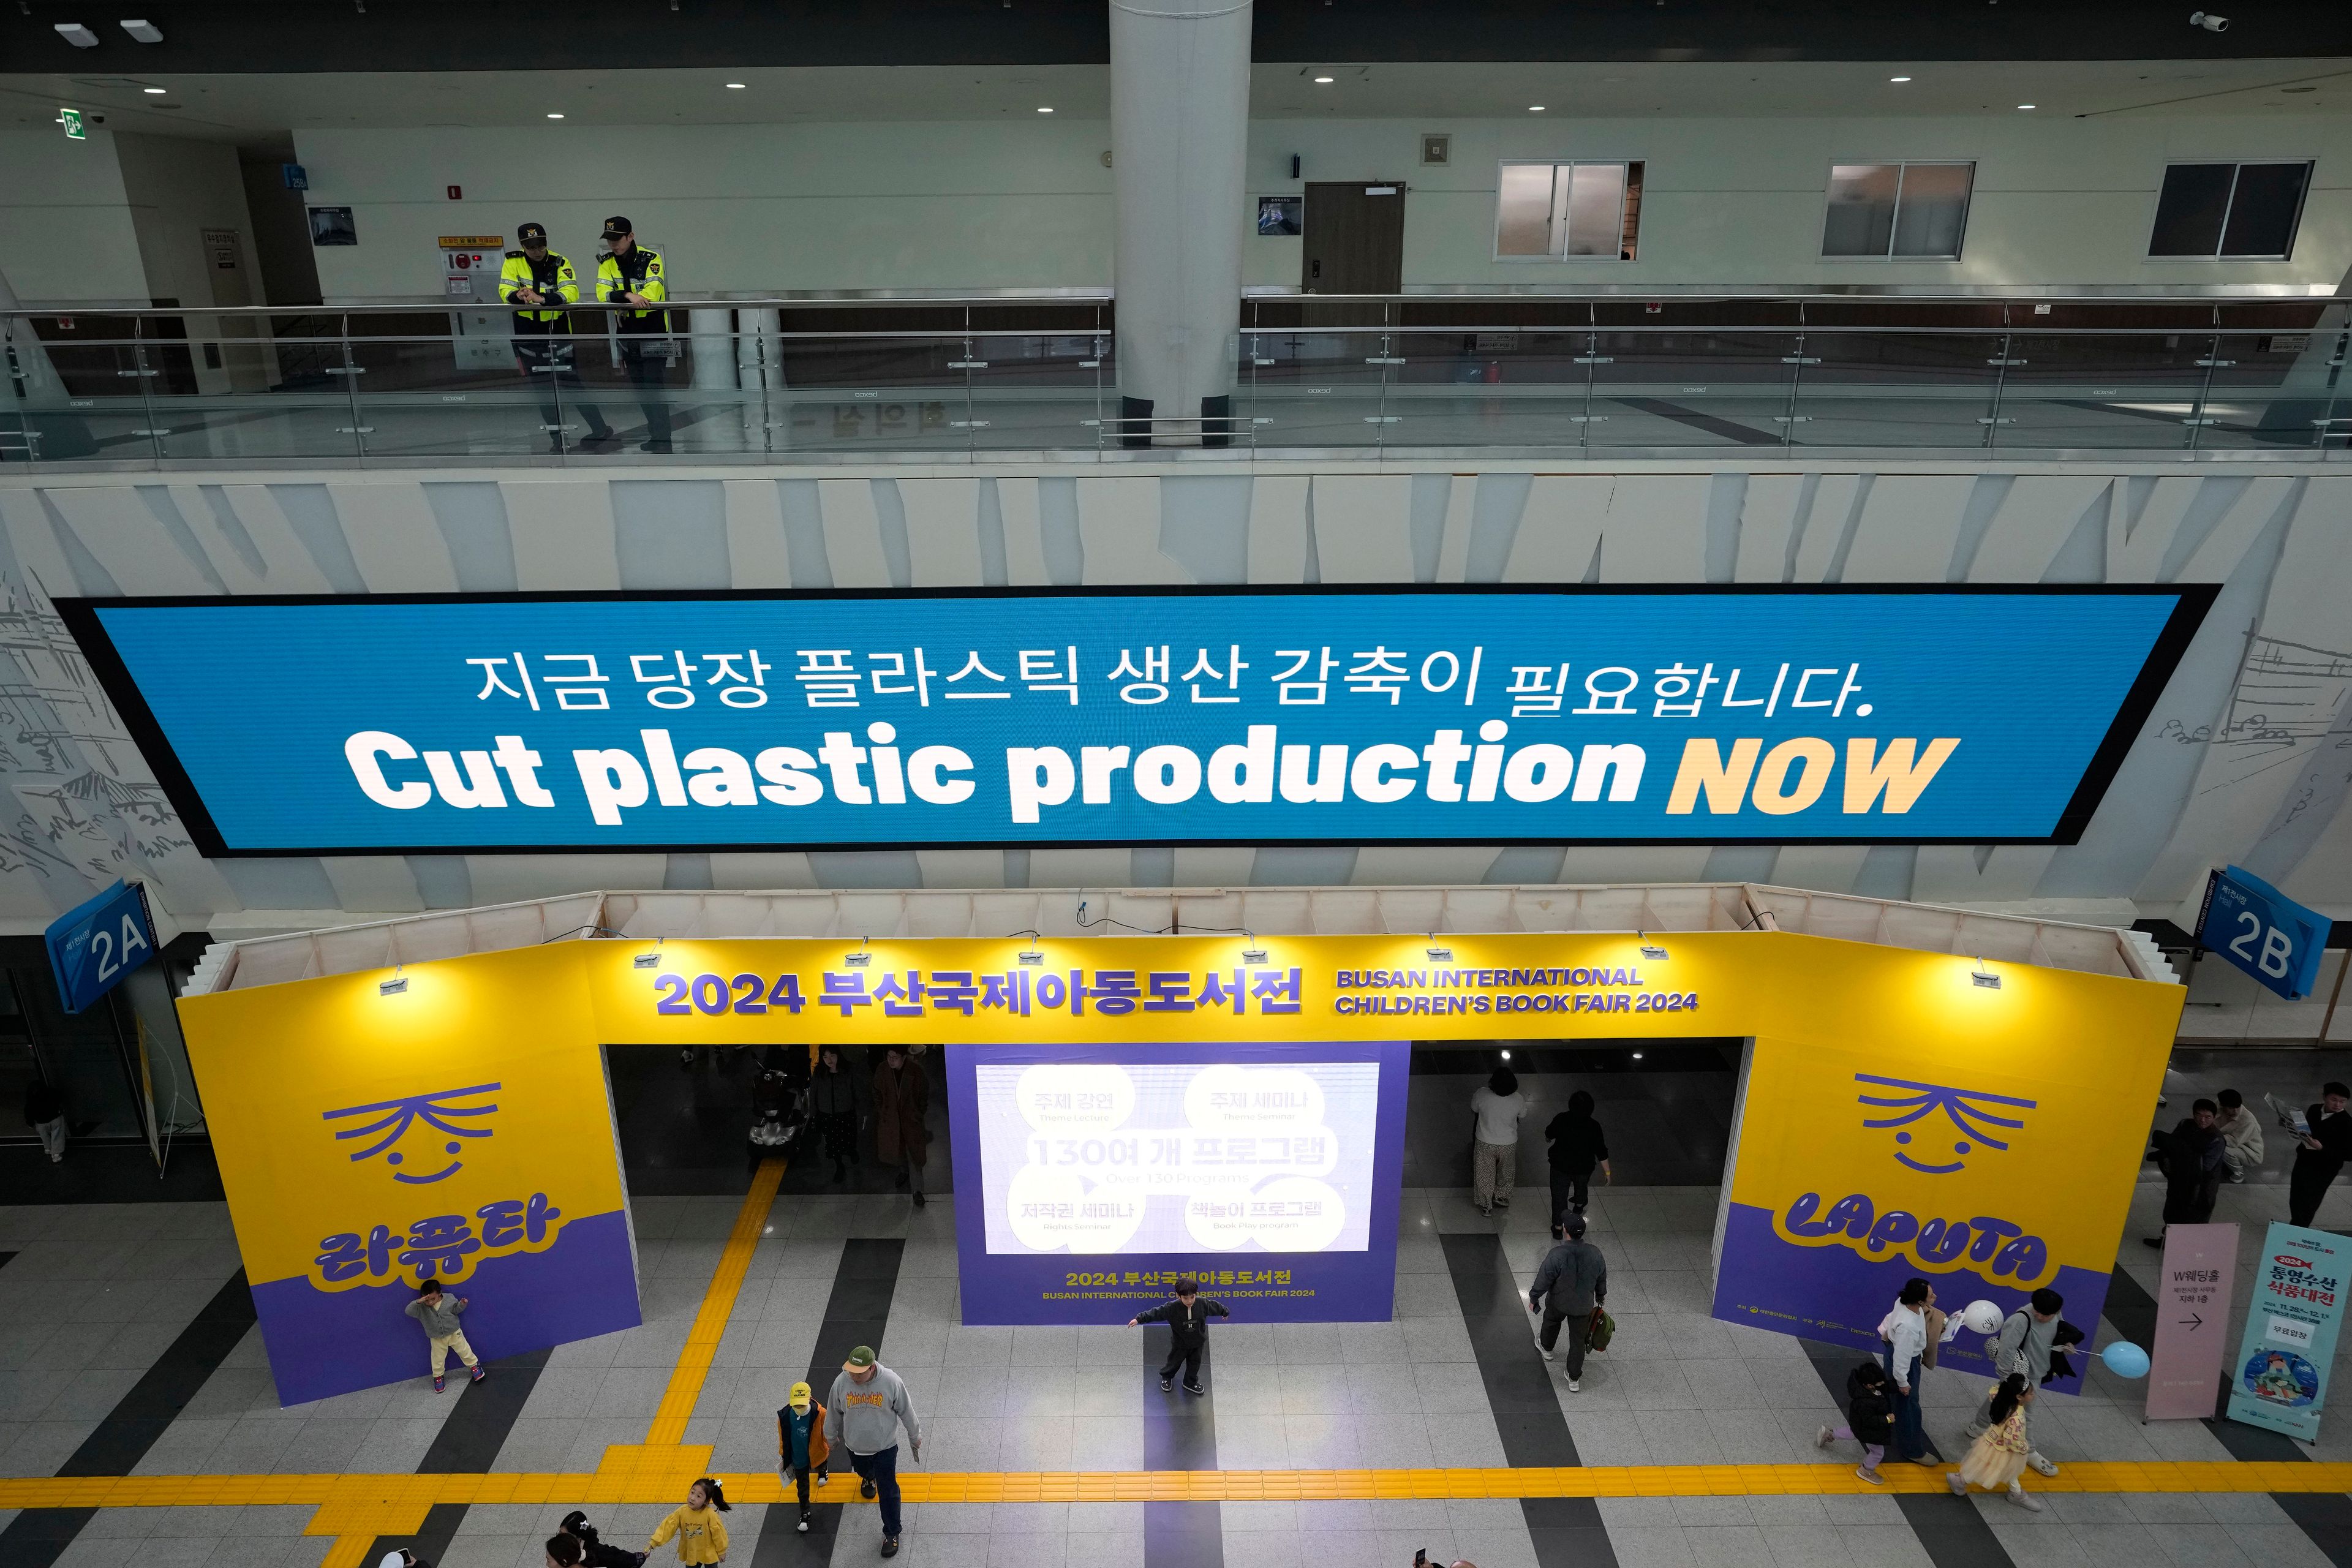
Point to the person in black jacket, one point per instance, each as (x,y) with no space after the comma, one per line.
(594,1552)
(837,1104)
(1187,1317)
(1870,1419)
(1575,1145)
(2190,1158)
(2318,1159)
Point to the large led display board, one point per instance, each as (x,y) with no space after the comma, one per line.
(1484,716)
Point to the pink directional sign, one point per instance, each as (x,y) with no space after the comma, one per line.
(2192,1320)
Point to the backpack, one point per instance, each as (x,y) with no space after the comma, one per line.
(1603,1326)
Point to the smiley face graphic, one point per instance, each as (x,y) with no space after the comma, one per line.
(394,1118)
(1973,1113)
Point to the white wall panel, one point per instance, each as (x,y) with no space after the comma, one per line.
(564,535)
(1655,531)
(382,884)
(393,538)
(287,565)
(2036,519)
(1560,530)
(1767,518)
(1119,520)
(127,542)
(1907,528)
(1825,523)
(756,551)
(1025,540)
(1278,529)
(943,531)
(1948,873)
(34,542)
(775,868)
(961,867)
(1453,544)
(852,533)
(1824,867)
(1363,526)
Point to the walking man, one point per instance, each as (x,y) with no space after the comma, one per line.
(902,1105)
(2320,1157)
(1911,1330)
(1575,1147)
(868,1405)
(1571,1284)
(2026,1342)
(1187,1317)
(437,1314)
(833,1101)
(1497,1108)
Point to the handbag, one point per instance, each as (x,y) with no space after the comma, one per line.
(1937,1318)
(1596,1338)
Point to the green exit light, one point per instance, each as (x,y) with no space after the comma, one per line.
(71,120)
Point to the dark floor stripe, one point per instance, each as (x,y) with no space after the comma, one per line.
(1566,1531)
(2325,1517)
(39,1536)
(1714,424)
(1951,1530)
(468,1444)
(1180,1433)
(858,1313)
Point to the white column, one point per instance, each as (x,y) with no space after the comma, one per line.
(1179,131)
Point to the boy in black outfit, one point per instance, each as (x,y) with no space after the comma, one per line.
(1187,1317)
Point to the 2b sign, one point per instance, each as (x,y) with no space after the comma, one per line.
(93,946)
(2263,933)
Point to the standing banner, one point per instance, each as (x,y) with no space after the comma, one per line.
(2192,1320)
(2281,1379)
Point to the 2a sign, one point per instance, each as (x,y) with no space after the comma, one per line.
(93,946)
(2261,931)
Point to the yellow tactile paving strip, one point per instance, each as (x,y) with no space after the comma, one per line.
(357,1508)
(668,1428)
(353,1506)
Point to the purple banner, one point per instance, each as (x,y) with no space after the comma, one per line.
(1090,1178)
(1833,1295)
(325,1342)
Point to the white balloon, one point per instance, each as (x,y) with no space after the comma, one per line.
(1984,1317)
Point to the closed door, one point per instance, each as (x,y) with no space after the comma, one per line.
(1354,239)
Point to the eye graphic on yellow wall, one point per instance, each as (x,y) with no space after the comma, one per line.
(434,1110)
(1970,1112)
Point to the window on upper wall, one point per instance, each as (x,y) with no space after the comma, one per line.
(2238,212)
(1915,212)
(1567,212)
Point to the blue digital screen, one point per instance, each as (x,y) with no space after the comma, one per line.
(1235,717)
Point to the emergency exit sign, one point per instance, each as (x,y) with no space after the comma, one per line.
(71,120)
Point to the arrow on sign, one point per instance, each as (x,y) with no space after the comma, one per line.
(2192,1322)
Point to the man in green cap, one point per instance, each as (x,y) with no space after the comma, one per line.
(863,1415)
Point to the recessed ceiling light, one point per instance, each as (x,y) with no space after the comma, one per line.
(1041,109)
(1899,79)
(734,87)
(555,117)
(1323,81)
(2025,106)
(153,91)
(1535,108)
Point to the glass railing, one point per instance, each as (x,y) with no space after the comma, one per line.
(416,385)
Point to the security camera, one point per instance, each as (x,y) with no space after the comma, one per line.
(96,119)
(2209,22)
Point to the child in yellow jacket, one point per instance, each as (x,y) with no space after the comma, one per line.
(702,1533)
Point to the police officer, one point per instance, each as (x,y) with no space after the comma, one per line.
(541,281)
(629,277)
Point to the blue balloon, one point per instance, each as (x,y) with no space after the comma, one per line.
(2125,1359)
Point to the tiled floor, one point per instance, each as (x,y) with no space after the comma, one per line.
(95,1294)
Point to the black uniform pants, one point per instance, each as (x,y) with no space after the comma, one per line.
(1188,1356)
(1580,1331)
(1569,1189)
(646,360)
(2308,1185)
(547,360)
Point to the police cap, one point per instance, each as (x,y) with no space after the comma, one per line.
(616,226)
(532,234)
